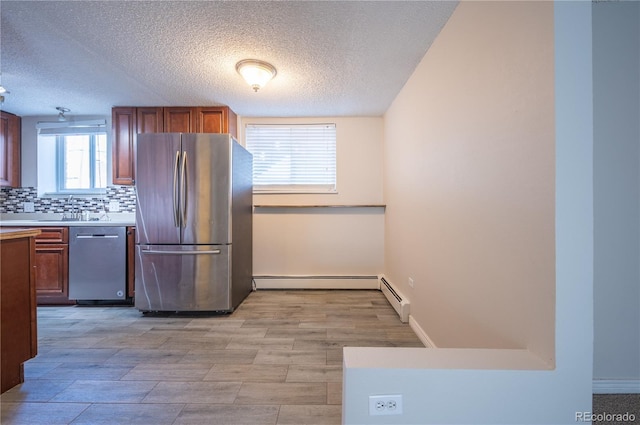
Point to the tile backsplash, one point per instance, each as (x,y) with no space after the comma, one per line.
(12,200)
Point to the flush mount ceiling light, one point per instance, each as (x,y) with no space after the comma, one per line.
(256,73)
(61,112)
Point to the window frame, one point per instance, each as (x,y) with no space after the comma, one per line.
(61,164)
(296,188)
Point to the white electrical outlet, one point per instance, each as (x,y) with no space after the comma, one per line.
(28,207)
(411,282)
(114,206)
(385,405)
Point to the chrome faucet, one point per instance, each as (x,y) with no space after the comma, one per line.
(104,211)
(73,214)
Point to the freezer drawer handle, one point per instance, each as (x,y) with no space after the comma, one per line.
(151,251)
(97,236)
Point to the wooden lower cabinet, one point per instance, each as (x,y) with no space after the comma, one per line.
(131,261)
(52,266)
(52,274)
(18,333)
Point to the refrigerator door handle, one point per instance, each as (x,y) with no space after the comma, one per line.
(209,252)
(183,191)
(176,197)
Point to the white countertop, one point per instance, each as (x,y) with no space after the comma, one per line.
(55,220)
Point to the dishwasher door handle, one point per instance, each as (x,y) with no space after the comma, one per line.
(97,237)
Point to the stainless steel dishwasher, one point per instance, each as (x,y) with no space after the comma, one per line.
(97,263)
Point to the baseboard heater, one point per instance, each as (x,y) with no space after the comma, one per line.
(316,282)
(397,301)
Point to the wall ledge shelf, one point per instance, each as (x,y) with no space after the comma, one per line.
(322,206)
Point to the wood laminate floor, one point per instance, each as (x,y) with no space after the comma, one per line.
(276,360)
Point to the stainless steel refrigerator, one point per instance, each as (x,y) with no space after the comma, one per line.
(193,222)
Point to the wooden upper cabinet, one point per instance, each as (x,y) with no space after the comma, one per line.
(10,134)
(219,119)
(123,122)
(127,122)
(180,120)
(210,120)
(150,120)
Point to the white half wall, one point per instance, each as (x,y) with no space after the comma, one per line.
(318,241)
(498,385)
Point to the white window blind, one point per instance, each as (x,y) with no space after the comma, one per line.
(293,158)
(54,128)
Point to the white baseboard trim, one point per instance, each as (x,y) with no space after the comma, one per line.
(420,333)
(616,386)
(317,282)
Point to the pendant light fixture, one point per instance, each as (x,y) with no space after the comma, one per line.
(3,90)
(61,111)
(255,72)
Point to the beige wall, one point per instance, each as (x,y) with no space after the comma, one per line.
(327,241)
(469,181)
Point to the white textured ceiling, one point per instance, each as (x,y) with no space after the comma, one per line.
(332,57)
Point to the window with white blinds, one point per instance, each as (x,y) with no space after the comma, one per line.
(293,158)
(74,154)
